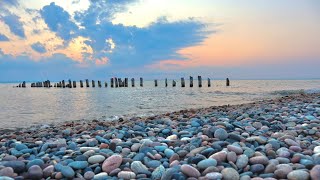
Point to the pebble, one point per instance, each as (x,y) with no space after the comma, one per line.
(67,172)
(88,175)
(221,134)
(206,163)
(78,164)
(230,174)
(190,171)
(96,159)
(242,161)
(158,172)
(138,167)
(126,175)
(7,171)
(111,163)
(214,176)
(35,172)
(298,175)
(315,172)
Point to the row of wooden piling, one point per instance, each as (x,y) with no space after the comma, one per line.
(114,83)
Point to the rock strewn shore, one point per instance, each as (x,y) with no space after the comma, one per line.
(270,139)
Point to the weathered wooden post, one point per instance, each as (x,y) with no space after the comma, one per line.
(209,82)
(227,82)
(59,84)
(116,82)
(166,82)
(105,84)
(69,84)
(23,84)
(141,82)
(93,84)
(87,83)
(120,82)
(126,82)
(19,85)
(55,85)
(183,82)
(132,82)
(173,83)
(81,84)
(99,84)
(112,82)
(191,81)
(63,84)
(155,83)
(199,81)
(74,84)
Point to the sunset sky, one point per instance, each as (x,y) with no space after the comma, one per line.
(239,39)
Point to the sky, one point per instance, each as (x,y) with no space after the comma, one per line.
(79,39)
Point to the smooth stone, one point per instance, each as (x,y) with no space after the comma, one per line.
(248,152)
(7,171)
(236,149)
(315,172)
(259,160)
(219,156)
(85,149)
(135,147)
(79,164)
(17,166)
(230,174)
(96,159)
(101,176)
(88,175)
(190,171)
(232,157)
(206,163)
(213,176)
(221,134)
(256,168)
(172,137)
(67,172)
(242,161)
(316,150)
(160,148)
(153,164)
(6,178)
(126,175)
(111,163)
(138,167)
(48,171)
(20,146)
(38,162)
(298,175)
(35,172)
(168,153)
(282,171)
(158,172)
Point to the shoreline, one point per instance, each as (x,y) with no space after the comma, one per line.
(273,139)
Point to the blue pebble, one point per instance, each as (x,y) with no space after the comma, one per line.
(79,164)
(73,146)
(38,162)
(165,131)
(160,148)
(20,147)
(97,170)
(67,172)
(168,152)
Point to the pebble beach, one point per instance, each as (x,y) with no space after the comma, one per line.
(269,139)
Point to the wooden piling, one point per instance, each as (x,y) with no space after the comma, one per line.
(227,82)
(81,84)
(99,84)
(105,84)
(191,81)
(74,84)
(119,82)
(199,81)
(173,83)
(63,84)
(93,84)
(87,83)
(209,82)
(112,82)
(116,82)
(166,82)
(23,84)
(132,82)
(156,83)
(125,82)
(141,82)
(69,84)
(183,82)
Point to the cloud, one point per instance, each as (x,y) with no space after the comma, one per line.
(15,25)
(3,37)
(58,20)
(40,48)
(9,3)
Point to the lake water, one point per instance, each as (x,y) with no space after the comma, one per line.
(22,107)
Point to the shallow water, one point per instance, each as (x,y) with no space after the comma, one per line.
(22,107)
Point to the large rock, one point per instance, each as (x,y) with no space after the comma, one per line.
(111,163)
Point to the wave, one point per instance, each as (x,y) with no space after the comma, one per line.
(288,92)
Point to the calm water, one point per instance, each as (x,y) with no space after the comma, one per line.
(24,107)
